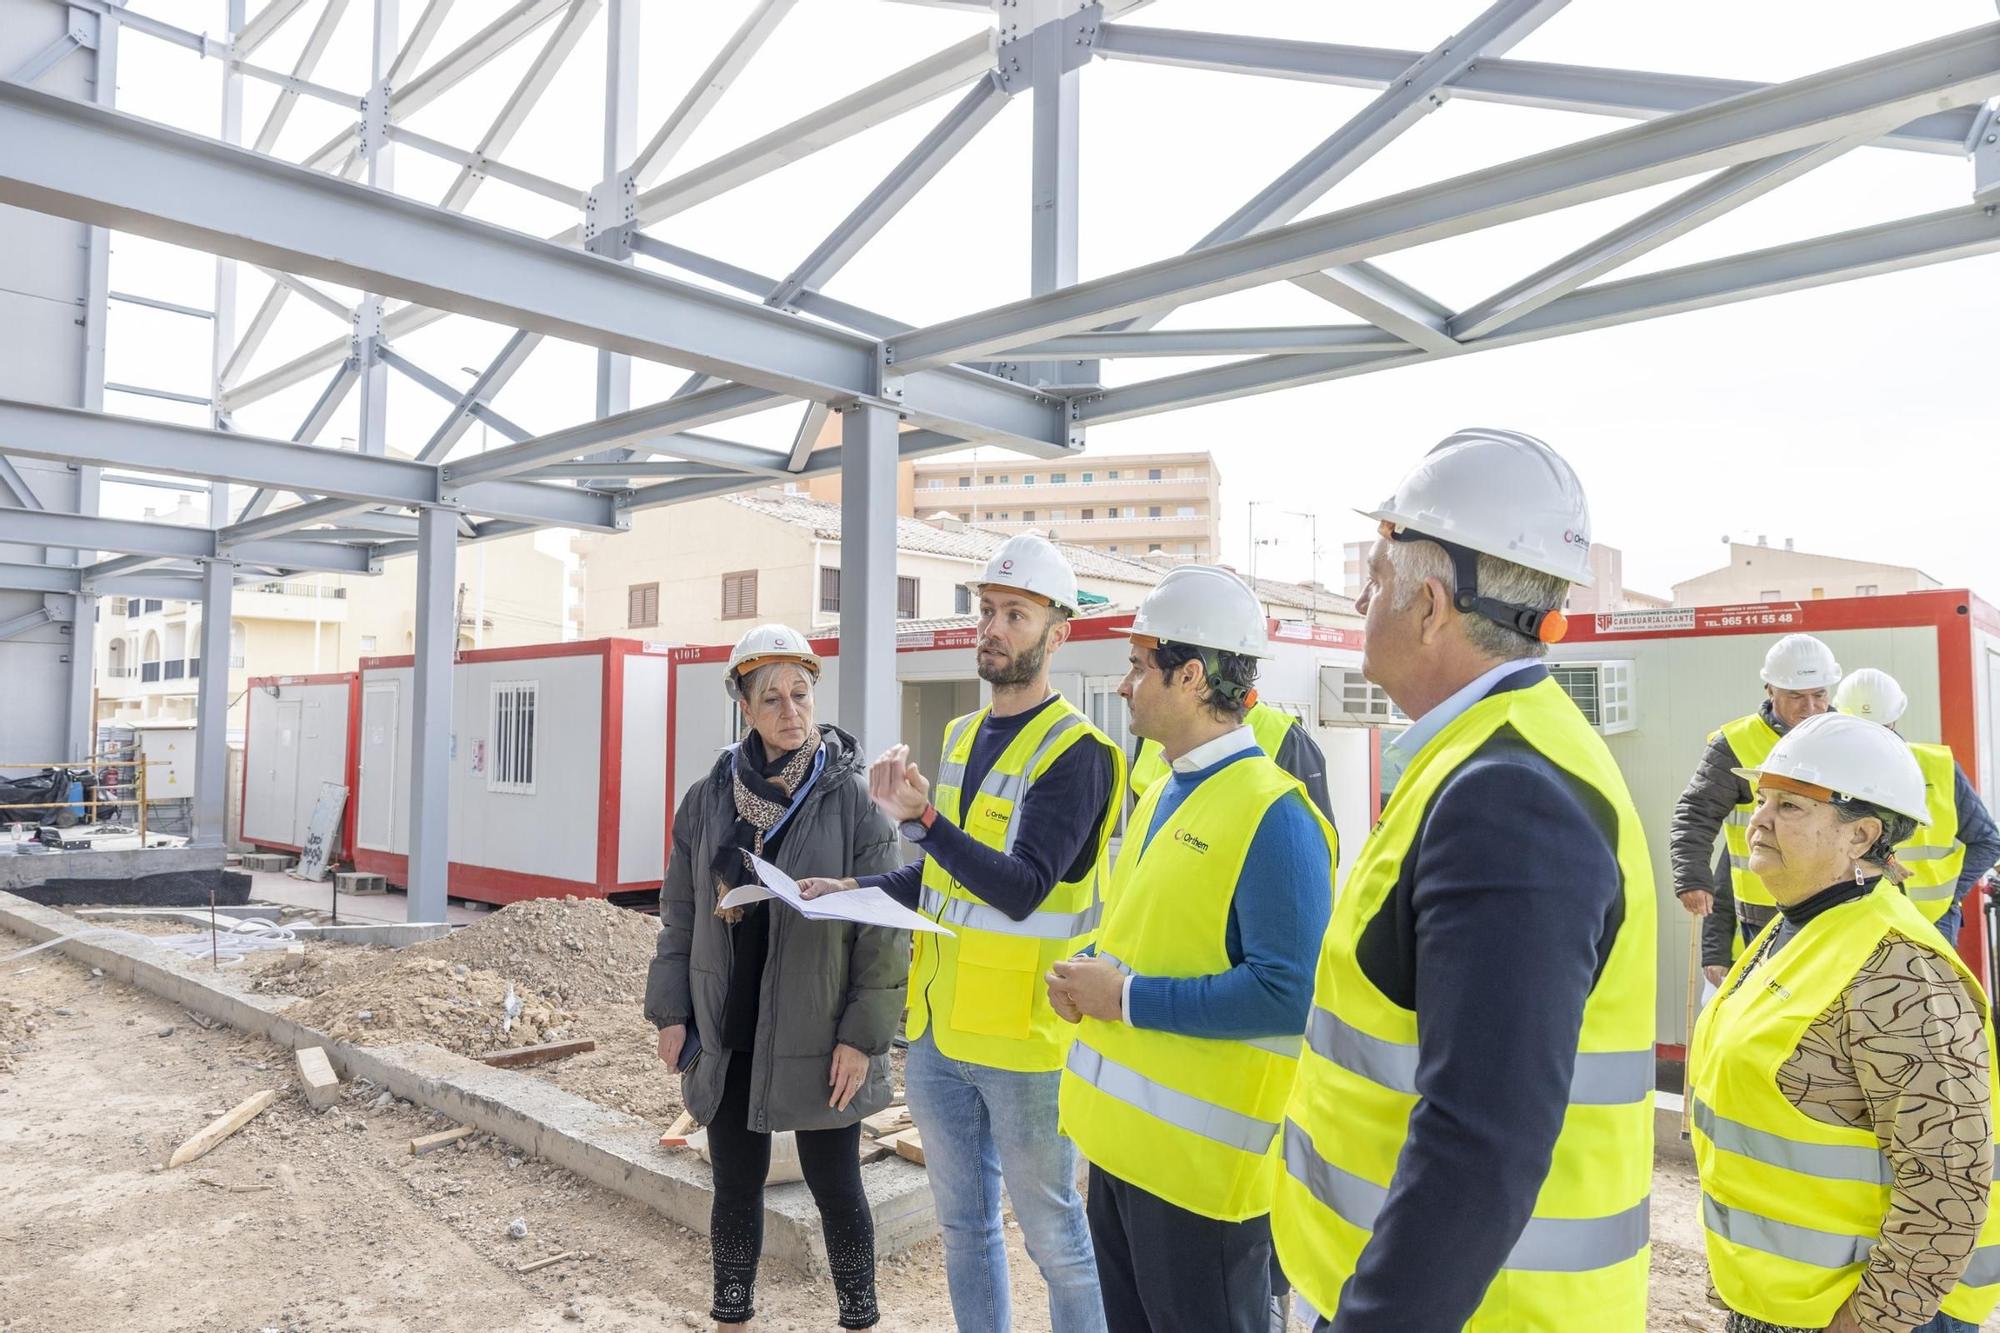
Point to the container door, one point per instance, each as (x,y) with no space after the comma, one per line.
(281,773)
(375,820)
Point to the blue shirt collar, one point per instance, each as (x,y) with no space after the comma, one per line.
(1407,745)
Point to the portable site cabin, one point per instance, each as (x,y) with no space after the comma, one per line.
(936,670)
(298,734)
(1658,683)
(558,770)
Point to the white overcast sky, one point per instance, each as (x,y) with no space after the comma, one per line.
(1859,419)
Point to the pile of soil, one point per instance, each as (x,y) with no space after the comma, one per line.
(577,951)
(379,996)
(15,1030)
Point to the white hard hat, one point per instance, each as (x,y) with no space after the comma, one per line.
(1800,662)
(1872,694)
(1204,606)
(1837,755)
(1031,563)
(764,645)
(1500,493)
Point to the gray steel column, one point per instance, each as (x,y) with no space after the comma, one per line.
(379,154)
(621,135)
(869,701)
(211,707)
(1054,220)
(430,743)
(80,725)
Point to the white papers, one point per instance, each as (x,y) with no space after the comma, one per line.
(864,907)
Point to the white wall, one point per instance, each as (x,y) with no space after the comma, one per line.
(551,831)
(642,792)
(296,740)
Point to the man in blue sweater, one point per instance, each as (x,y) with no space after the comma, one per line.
(1191,1009)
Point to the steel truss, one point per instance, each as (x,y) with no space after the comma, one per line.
(1022,375)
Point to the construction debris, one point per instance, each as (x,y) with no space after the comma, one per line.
(432,1142)
(528,1055)
(539,1264)
(887,1123)
(678,1133)
(909,1145)
(322,1085)
(518,1228)
(222,1128)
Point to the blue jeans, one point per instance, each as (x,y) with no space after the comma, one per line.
(1948,926)
(982,1126)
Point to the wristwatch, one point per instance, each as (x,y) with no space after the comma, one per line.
(916,830)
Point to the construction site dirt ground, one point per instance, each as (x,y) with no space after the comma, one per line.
(310,1222)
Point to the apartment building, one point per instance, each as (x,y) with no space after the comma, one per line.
(1760,572)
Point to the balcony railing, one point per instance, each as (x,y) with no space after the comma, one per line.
(301,589)
(1043,483)
(121,673)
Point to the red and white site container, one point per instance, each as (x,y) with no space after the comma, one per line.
(298,734)
(558,770)
(1664,680)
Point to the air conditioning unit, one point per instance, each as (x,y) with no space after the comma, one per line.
(1348,697)
(1604,691)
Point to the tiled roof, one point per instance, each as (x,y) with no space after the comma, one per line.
(963,541)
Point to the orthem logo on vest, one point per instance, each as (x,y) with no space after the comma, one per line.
(1187,839)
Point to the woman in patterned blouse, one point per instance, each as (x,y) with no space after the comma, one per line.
(1901,1054)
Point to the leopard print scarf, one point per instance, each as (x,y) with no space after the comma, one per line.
(760,803)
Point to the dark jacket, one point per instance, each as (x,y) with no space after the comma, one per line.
(824,982)
(1711,794)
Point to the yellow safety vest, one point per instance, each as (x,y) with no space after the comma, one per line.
(1934,854)
(1192,1120)
(980,991)
(1270,726)
(1751,739)
(1580,1263)
(1791,1205)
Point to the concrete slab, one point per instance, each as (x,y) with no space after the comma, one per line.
(151,875)
(618,1151)
(284,890)
(393,935)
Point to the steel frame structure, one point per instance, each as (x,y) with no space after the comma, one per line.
(1023,375)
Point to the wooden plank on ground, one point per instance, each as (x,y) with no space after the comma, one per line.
(431,1142)
(874,1150)
(528,1055)
(677,1133)
(887,1123)
(909,1145)
(222,1127)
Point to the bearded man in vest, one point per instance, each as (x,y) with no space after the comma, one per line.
(1469,1140)
(1957,842)
(1192,1008)
(1799,675)
(1014,832)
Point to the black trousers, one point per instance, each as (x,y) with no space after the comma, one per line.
(1164,1269)
(831,1160)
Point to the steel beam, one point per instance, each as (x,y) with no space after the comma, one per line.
(868,690)
(632,469)
(76,161)
(1888,248)
(308,60)
(1721,193)
(807,435)
(1210,342)
(15,485)
(211,707)
(418,375)
(534,81)
(27,620)
(267,21)
(69,435)
(84,533)
(1389,304)
(329,401)
(1868,97)
(40,578)
(641,423)
(429,796)
(1608,92)
(512,356)
(686,118)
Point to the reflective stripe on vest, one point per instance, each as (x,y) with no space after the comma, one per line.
(1602,1078)
(1831,1161)
(1546,1244)
(983,916)
(1230,1128)
(1751,739)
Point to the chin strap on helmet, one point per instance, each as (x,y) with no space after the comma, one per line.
(1544,625)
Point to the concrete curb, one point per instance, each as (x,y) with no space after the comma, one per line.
(392,934)
(609,1148)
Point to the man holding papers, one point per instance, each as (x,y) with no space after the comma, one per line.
(777,1022)
(1013,835)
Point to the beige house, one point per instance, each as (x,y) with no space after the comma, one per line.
(1126,505)
(1763,573)
(705,572)
(148,651)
